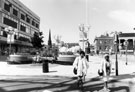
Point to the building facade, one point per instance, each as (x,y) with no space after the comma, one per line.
(103,44)
(127,41)
(15,14)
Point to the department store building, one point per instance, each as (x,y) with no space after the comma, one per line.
(15,14)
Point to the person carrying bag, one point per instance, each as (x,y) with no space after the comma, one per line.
(80,65)
(106,67)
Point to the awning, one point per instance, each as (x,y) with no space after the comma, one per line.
(4,40)
(23,43)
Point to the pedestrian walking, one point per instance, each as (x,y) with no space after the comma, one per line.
(37,57)
(110,51)
(120,49)
(81,65)
(106,66)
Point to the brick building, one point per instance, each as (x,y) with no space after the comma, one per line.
(103,43)
(130,38)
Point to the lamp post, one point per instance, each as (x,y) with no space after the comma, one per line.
(10,31)
(116,52)
(126,45)
(81,28)
(84,29)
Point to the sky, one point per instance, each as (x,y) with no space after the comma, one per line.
(63,17)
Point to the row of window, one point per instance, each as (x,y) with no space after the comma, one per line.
(14,23)
(4,34)
(23,16)
(105,42)
(104,48)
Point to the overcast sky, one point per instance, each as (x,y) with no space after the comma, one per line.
(64,16)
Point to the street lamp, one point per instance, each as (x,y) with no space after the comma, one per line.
(81,28)
(126,45)
(116,52)
(84,33)
(10,31)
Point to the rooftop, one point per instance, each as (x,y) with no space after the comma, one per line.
(127,35)
(104,37)
(20,4)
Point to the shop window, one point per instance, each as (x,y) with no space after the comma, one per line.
(15,37)
(4,34)
(130,44)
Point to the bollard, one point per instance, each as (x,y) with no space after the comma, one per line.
(45,66)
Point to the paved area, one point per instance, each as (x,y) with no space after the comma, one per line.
(61,84)
(60,78)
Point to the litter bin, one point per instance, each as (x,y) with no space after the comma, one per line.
(45,66)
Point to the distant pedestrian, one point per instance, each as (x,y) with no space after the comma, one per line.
(106,66)
(110,51)
(37,57)
(81,65)
(120,49)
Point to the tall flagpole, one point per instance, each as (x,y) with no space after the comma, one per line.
(87,18)
(84,28)
(86,12)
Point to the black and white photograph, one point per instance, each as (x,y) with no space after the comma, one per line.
(67,45)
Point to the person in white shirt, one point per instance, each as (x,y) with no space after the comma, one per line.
(106,66)
(37,57)
(81,64)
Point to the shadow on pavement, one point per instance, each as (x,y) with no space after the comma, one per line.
(52,71)
(124,76)
(120,88)
(62,62)
(64,84)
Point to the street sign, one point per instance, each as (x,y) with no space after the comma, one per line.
(10,38)
(83,34)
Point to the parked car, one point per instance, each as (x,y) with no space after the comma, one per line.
(20,58)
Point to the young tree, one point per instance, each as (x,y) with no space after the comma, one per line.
(37,40)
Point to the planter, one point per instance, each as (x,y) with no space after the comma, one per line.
(66,58)
(19,58)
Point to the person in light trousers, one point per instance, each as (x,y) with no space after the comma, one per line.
(81,64)
(106,66)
